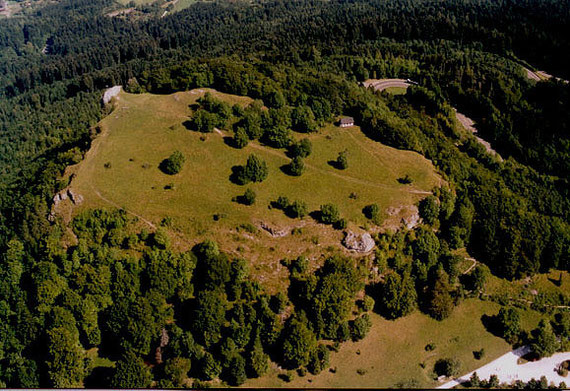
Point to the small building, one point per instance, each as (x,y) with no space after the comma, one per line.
(346,122)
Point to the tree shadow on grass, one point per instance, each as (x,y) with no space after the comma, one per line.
(555,281)
(286,169)
(334,164)
(236,176)
(240,199)
(230,142)
(189,124)
(491,325)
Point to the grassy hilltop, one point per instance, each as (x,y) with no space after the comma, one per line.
(122,170)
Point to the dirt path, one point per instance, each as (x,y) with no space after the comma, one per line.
(113,203)
(508,370)
(326,172)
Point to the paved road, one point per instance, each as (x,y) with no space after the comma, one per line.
(382,84)
(507,369)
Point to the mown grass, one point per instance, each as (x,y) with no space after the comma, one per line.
(396,90)
(394,353)
(122,170)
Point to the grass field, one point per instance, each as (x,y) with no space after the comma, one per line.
(396,90)
(394,351)
(121,170)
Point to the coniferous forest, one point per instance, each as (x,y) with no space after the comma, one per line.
(133,296)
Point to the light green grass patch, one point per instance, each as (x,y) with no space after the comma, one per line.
(394,351)
(396,90)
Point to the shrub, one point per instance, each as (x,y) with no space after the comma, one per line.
(281,203)
(255,169)
(301,149)
(342,160)
(240,138)
(248,197)
(405,180)
(248,227)
(329,214)
(447,367)
(161,238)
(204,121)
(360,327)
(509,324)
(479,354)
(340,224)
(173,164)
(277,137)
(544,342)
(296,167)
(367,304)
(371,211)
(298,209)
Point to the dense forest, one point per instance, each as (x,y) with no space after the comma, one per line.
(126,292)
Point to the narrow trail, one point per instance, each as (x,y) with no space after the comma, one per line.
(178,235)
(113,203)
(326,172)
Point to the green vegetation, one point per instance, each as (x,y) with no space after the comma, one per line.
(447,367)
(173,164)
(133,295)
(255,170)
(296,167)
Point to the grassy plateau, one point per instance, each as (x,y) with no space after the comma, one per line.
(122,170)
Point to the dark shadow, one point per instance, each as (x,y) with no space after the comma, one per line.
(405,180)
(556,281)
(334,164)
(189,124)
(230,142)
(240,199)
(99,378)
(286,169)
(194,106)
(163,167)
(531,356)
(236,176)
(316,215)
(284,377)
(289,152)
(491,325)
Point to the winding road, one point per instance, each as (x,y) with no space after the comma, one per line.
(382,84)
(508,370)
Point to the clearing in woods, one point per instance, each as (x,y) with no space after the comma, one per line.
(394,354)
(122,169)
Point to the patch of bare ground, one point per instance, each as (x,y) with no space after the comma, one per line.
(469,125)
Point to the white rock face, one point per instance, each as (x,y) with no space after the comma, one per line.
(76,198)
(359,243)
(110,93)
